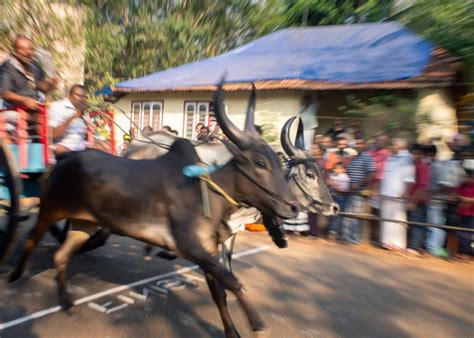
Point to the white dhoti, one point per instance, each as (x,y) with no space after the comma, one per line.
(391,233)
(73,142)
(300,223)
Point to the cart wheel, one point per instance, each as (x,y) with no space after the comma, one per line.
(10,187)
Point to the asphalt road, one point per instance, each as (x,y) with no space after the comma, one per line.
(314,288)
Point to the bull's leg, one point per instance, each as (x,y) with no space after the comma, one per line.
(34,237)
(74,241)
(219,297)
(227,250)
(211,266)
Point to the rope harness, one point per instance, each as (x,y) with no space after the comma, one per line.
(202,172)
(206,178)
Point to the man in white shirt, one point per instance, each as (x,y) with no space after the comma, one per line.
(398,174)
(66,117)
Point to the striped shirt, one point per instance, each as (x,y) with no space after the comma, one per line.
(360,168)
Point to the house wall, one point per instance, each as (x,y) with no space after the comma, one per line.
(273,108)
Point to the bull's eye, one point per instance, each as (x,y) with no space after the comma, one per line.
(261,164)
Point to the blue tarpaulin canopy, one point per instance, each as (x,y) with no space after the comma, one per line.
(360,53)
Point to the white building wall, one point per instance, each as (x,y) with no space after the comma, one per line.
(273,108)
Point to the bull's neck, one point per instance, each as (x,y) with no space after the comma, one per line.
(225,179)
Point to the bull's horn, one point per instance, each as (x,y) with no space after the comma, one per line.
(285,140)
(250,117)
(300,135)
(239,138)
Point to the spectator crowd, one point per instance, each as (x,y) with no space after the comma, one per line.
(397,182)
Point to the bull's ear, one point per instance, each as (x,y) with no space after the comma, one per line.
(236,152)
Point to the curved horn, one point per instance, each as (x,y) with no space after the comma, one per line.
(250,117)
(285,140)
(239,138)
(300,135)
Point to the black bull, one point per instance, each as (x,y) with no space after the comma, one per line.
(305,179)
(150,200)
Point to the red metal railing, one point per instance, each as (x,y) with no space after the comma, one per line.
(21,136)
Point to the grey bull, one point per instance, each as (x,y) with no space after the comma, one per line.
(152,201)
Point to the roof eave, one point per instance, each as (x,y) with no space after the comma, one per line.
(299,85)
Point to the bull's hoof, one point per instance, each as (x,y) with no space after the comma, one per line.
(4,269)
(167,254)
(261,334)
(15,275)
(67,305)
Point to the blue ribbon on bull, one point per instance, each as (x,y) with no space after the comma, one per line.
(196,170)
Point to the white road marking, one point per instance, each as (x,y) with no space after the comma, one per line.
(97,307)
(192,277)
(126,299)
(158,289)
(119,288)
(117,308)
(137,295)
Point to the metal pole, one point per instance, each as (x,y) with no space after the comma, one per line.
(406,223)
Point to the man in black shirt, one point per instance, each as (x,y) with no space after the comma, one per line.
(22,79)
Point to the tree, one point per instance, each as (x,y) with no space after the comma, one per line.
(55,27)
(330,12)
(449,24)
(140,37)
(387,113)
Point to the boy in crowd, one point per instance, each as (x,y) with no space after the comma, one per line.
(338,181)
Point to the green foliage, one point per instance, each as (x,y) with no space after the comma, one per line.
(141,37)
(49,27)
(389,114)
(330,12)
(271,133)
(447,23)
(131,38)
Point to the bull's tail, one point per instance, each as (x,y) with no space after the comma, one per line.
(12,183)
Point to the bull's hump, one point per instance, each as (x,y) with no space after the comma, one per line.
(184,149)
